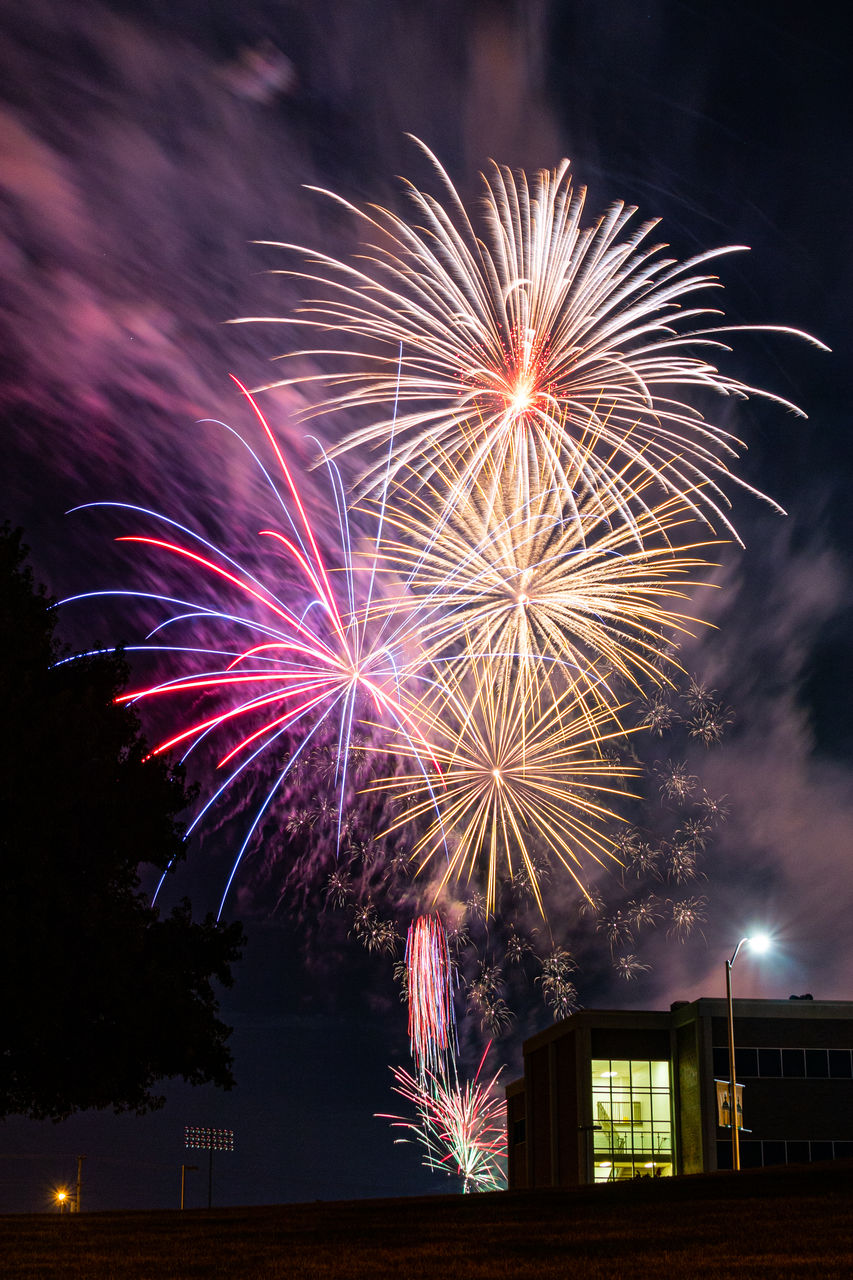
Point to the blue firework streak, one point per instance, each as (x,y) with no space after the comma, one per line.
(294,662)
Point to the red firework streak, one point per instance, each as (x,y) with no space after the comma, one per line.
(432,1022)
(310,658)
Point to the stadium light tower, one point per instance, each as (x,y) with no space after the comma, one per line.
(202,1138)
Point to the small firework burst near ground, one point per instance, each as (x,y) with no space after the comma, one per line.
(461,1128)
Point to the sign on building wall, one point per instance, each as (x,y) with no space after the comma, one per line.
(724,1103)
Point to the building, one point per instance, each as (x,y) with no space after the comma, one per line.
(613,1095)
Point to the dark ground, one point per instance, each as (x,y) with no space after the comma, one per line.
(775,1223)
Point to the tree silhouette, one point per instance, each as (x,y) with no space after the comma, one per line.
(103,998)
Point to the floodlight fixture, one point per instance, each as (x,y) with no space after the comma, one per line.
(203,1138)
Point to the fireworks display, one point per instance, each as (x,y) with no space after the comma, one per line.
(497,628)
(542,480)
(515,449)
(533,531)
(530,341)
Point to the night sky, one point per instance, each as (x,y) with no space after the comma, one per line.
(137,166)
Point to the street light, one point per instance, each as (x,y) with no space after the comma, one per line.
(62,1200)
(759,943)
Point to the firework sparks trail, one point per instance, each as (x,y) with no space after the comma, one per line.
(513,776)
(687,915)
(323,660)
(658,716)
(485,999)
(530,340)
(432,1020)
(592,903)
(516,947)
(375,934)
(616,928)
(715,809)
(629,967)
(558,990)
(462,1128)
(677,783)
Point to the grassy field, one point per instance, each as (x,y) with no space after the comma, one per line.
(773,1224)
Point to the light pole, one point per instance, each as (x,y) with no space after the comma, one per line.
(185,1169)
(758,943)
(79,1194)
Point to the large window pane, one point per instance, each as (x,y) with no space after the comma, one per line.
(793,1063)
(839,1064)
(769,1064)
(816,1065)
(746,1062)
(661,1110)
(660,1075)
(750,1155)
(641,1075)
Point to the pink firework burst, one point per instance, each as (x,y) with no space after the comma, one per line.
(266,667)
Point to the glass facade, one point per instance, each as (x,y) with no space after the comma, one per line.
(632,1111)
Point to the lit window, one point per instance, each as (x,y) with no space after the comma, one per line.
(632,1112)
